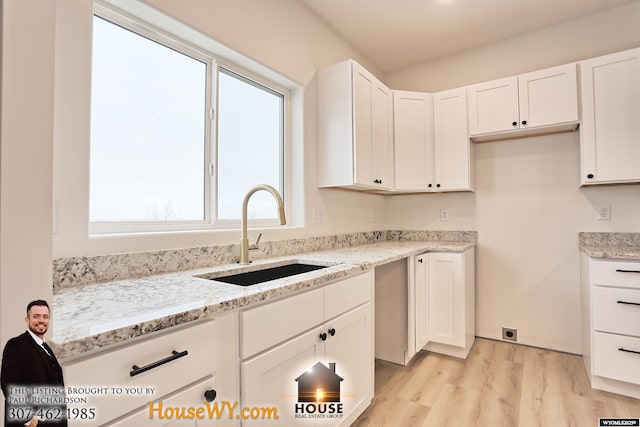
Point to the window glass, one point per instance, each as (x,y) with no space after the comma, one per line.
(249,145)
(148,126)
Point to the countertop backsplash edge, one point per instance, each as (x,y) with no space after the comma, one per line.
(84,270)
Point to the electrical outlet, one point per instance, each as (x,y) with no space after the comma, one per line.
(444,214)
(604,213)
(509,334)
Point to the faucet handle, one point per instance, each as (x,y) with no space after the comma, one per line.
(255,245)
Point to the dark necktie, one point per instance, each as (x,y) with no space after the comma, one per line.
(46,347)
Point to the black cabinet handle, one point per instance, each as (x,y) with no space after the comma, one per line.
(524,122)
(420,260)
(628,303)
(323,336)
(174,355)
(210,395)
(438,185)
(627,271)
(514,123)
(628,351)
(430,185)
(332,331)
(590,176)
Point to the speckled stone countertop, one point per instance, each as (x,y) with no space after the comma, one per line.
(88,318)
(624,246)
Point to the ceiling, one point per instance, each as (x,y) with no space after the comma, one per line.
(395,34)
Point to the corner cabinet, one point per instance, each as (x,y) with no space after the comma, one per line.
(610,130)
(355,143)
(185,367)
(611,324)
(282,340)
(444,302)
(538,102)
(424,163)
(453,165)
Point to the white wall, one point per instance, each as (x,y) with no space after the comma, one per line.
(528,207)
(279,35)
(26,135)
(609,31)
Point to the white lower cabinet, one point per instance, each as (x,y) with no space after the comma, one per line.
(342,342)
(169,370)
(611,324)
(444,302)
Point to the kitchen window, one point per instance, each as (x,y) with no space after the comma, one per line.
(177,138)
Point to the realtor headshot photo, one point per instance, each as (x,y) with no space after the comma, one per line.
(31,377)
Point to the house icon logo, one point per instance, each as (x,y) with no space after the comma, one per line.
(319,392)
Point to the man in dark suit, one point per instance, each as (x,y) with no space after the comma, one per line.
(31,376)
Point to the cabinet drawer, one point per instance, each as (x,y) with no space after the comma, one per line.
(611,361)
(616,310)
(347,294)
(191,397)
(616,273)
(265,326)
(113,369)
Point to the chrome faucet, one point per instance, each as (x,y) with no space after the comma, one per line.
(244,241)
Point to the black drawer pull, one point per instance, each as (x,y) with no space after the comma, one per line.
(627,271)
(174,355)
(628,351)
(628,303)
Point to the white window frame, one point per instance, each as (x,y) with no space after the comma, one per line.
(211,182)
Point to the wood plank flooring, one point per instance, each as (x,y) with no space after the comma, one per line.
(499,385)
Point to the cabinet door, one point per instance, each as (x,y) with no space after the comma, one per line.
(413,140)
(610,130)
(372,114)
(382,136)
(493,106)
(548,97)
(446,299)
(363,90)
(349,345)
(421,300)
(451,142)
(269,379)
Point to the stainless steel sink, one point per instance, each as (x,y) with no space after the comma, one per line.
(264,275)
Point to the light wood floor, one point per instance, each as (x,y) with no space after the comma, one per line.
(499,385)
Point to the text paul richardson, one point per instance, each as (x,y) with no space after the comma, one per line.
(41,395)
(210,410)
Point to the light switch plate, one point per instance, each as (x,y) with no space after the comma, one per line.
(444,214)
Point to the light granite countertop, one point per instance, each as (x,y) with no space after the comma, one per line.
(610,245)
(89,318)
(612,252)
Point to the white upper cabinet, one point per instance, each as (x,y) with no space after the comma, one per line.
(537,102)
(355,142)
(610,131)
(452,148)
(413,140)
